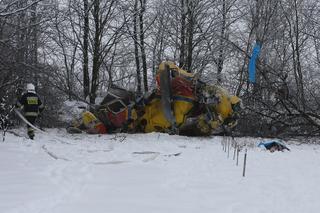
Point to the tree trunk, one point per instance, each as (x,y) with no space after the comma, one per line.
(190,35)
(96,52)
(142,46)
(298,63)
(294,41)
(70,82)
(136,48)
(34,44)
(86,79)
(21,34)
(221,46)
(183,33)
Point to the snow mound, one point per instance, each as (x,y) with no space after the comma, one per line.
(71,110)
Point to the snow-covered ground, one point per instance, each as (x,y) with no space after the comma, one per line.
(151,173)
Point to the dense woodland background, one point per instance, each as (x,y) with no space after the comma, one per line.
(76,49)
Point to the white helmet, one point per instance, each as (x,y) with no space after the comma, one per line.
(31,88)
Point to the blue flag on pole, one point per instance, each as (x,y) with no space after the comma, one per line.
(252,63)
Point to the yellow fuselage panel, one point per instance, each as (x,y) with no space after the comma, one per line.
(155,118)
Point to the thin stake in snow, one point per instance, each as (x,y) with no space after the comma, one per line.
(222,144)
(225,144)
(238,150)
(224,147)
(244,164)
(222,141)
(228,146)
(235,146)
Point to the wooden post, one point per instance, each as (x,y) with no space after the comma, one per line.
(244,164)
(229,143)
(238,150)
(222,143)
(235,150)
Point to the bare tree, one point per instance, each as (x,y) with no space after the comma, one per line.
(85,49)
(142,44)
(184,7)
(136,45)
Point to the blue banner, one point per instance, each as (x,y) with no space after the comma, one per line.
(252,63)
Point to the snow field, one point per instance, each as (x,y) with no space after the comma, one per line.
(62,173)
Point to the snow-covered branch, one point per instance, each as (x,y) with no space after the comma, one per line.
(6,11)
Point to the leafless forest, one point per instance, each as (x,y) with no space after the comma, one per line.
(76,49)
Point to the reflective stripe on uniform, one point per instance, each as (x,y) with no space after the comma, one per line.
(32,100)
(30,132)
(35,114)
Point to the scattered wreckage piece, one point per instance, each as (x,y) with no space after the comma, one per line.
(273,145)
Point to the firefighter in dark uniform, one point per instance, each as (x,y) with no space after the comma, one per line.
(32,106)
